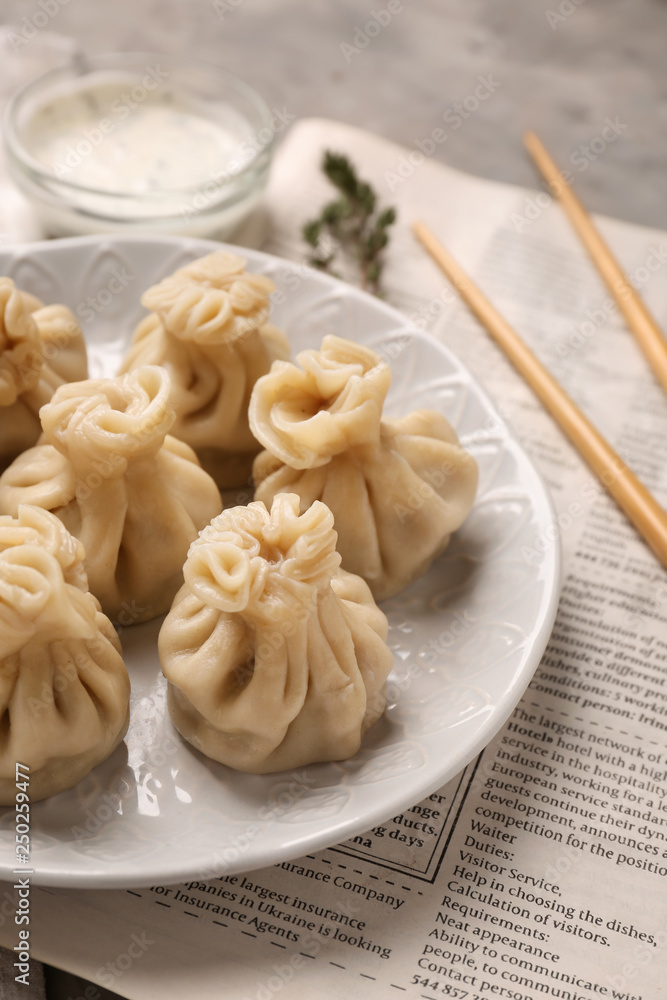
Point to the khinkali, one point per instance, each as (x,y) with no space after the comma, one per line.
(397,488)
(134,496)
(64,689)
(208,327)
(275,656)
(41,347)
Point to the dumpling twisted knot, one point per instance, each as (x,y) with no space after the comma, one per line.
(275,657)
(114,419)
(304,416)
(397,488)
(211,301)
(21,355)
(250,559)
(64,689)
(43,586)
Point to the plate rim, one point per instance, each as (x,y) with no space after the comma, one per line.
(108,875)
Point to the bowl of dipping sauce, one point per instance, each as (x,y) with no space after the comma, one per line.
(140,142)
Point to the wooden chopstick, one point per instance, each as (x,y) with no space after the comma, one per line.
(637,316)
(630,494)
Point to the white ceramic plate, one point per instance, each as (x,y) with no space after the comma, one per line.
(466,637)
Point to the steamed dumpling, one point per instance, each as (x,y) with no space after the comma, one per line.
(275,656)
(133,495)
(397,488)
(41,347)
(64,689)
(208,327)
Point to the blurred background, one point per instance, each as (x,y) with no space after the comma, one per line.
(562,67)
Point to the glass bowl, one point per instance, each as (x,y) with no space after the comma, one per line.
(140,142)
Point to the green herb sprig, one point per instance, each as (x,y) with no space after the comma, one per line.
(350,223)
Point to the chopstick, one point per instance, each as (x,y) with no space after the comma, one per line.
(637,316)
(630,494)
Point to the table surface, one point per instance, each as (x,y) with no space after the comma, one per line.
(562,67)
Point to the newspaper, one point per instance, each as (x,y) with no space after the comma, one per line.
(540,870)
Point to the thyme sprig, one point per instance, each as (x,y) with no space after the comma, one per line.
(351,223)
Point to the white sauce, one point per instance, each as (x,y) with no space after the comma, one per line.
(120,151)
(117,138)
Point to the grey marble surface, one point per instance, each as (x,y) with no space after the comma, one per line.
(560,66)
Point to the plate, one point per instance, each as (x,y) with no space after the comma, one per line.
(466,637)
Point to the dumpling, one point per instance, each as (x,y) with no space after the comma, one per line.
(208,327)
(134,496)
(64,689)
(41,347)
(397,488)
(275,656)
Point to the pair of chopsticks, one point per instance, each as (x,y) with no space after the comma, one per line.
(641,508)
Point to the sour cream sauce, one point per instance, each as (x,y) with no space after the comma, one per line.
(131,137)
